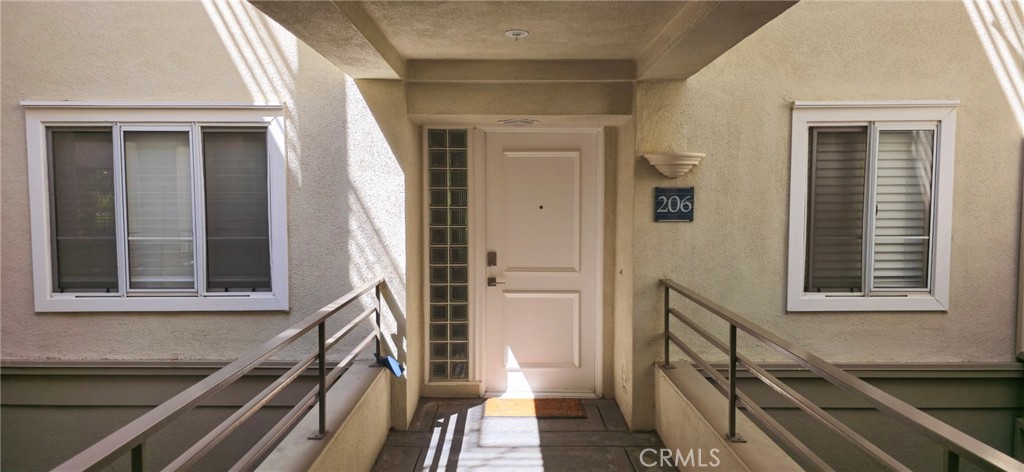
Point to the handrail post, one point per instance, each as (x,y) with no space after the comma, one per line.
(732,386)
(126,440)
(321,331)
(951,462)
(958,445)
(380,330)
(139,457)
(666,364)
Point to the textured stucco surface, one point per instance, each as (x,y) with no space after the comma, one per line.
(340,33)
(360,437)
(346,191)
(608,279)
(510,99)
(737,110)
(498,71)
(385,100)
(558,30)
(622,367)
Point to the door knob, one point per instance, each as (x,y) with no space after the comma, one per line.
(493,282)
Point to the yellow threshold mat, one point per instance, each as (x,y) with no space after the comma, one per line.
(535,407)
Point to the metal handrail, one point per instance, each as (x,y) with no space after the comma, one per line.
(265,445)
(803,454)
(132,437)
(793,396)
(956,443)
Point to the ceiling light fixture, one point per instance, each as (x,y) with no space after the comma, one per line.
(518,122)
(515,34)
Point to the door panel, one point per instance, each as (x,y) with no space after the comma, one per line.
(541,314)
(557,345)
(542,225)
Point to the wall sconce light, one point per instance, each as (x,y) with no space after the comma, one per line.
(674,164)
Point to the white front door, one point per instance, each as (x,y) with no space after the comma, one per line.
(543,229)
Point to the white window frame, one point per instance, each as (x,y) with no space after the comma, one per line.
(41,115)
(888,114)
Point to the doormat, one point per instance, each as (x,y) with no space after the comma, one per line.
(535,407)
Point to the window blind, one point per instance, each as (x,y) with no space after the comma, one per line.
(903,192)
(237,222)
(85,242)
(158,184)
(836,216)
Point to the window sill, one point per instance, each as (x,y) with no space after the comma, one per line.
(818,303)
(58,303)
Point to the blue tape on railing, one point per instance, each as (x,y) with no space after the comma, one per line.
(391,363)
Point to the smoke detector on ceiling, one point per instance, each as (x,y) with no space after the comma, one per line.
(516,34)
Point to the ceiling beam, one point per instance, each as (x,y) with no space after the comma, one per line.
(701,32)
(520,99)
(340,31)
(371,31)
(521,71)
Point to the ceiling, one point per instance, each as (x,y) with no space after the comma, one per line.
(575,40)
(558,30)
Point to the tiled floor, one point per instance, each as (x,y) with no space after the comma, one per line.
(453,434)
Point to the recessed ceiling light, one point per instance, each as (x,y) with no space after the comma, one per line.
(516,34)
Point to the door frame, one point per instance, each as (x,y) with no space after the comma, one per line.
(478,246)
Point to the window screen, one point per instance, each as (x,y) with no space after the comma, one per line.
(836,216)
(84,235)
(237,223)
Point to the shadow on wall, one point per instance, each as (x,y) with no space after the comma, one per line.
(347,199)
(266,61)
(354,203)
(376,210)
(1000,28)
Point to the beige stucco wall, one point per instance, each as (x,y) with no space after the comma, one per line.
(512,99)
(362,435)
(346,187)
(386,102)
(622,366)
(737,110)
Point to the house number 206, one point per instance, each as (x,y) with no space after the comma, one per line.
(675,204)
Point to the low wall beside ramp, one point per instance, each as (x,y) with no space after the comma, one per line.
(358,421)
(692,420)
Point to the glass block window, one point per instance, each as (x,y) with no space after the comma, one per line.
(448,256)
